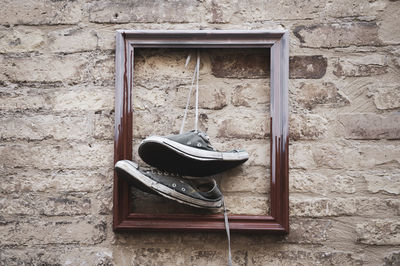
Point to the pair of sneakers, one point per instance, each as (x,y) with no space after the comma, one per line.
(184,165)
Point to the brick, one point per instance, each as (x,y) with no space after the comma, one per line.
(375,206)
(103,126)
(93,67)
(361,66)
(338,34)
(303,257)
(243,64)
(216,257)
(362,9)
(248,205)
(144,11)
(44,39)
(55,155)
(38,127)
(151,239)
(33,204)
(244,124)
(387,98)
(21,39)
(105,37)
(339,156)
(33,180)
(40,12)
(189,255)
(79,230)
(247,123)
(322,207)
(327,207)
(14,98)
(152,98)
(210,97)
(246,179)
(379,232)
(328,156)
(76,126)
(103,203)
(326,94)
(370,126)
(383,181)
(297,151)
(310,126)
(389,32)
(307,67)
(162,123)
(56,256)
(154,255)
(392,259)
(80,97)
(318,182)
(250,94)
(41,68)
(72,39)
(164,68)
(237,12)
(395,57)
(310,231)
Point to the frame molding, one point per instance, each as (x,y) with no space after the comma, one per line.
(278,42)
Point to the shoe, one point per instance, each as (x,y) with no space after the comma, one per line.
(125,175)
(196,193)
(188,154)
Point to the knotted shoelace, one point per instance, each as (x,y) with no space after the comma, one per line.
(196,77)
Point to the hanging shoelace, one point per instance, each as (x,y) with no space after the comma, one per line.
(196,76)
(228,233)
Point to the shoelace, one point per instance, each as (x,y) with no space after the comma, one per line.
(228,233)
(196,75)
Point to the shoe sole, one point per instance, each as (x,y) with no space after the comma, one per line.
(133,173)
(177,158)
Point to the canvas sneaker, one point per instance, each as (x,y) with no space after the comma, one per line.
(188,154)
(197,193)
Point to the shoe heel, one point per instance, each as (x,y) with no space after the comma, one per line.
(120,164)
(135,165)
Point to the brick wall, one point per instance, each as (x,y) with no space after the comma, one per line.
(56,130)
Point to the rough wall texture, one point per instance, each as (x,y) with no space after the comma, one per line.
(56,130)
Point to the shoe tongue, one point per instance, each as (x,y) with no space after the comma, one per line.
(208,189)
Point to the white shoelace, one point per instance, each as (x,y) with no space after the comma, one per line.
(196,75)
(228,233)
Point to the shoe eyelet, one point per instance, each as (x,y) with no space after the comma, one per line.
(173,185)
(198,144)
(183,189)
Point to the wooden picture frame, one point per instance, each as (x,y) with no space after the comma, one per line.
(278,42)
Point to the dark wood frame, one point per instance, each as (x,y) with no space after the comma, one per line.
(278,42)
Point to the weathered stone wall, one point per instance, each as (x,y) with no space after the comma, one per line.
(56,130)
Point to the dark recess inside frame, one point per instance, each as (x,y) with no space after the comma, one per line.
(277,43)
